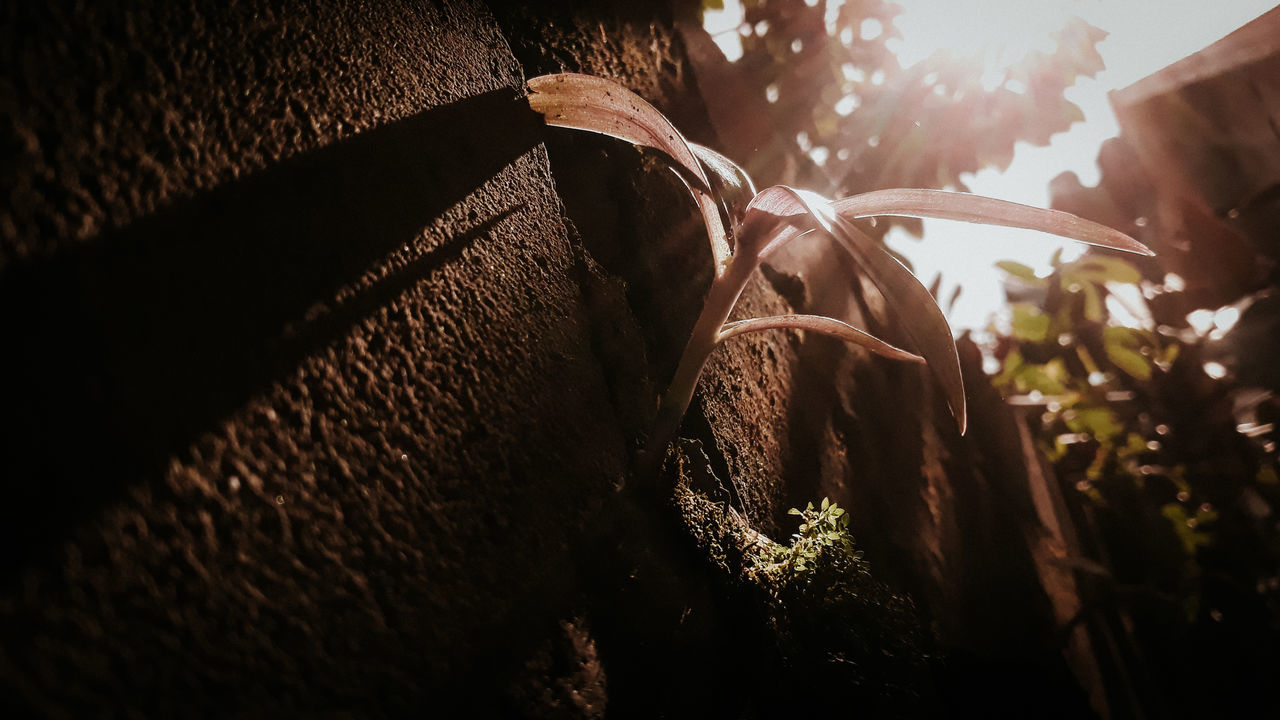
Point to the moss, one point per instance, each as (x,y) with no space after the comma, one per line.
(826,632)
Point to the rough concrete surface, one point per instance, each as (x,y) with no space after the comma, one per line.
(306,413)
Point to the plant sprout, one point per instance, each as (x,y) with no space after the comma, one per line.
(745,227)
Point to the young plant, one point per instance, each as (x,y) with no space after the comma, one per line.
(823,539)
(745,227)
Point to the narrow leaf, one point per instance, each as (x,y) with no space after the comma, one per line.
(730,185)
(955,295)
(584,102)
(907,298)
(773,218)
(988,211)
(935,287)
(819,324)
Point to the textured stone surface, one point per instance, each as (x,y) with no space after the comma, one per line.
(309,414)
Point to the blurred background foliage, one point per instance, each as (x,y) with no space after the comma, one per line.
(1156,413)
(1166,460)
(845,117)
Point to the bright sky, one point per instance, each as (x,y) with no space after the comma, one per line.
(1145,36)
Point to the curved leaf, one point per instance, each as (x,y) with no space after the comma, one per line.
(584,102)
(819,324)
(988,211)
(773,218)
(908,300)
(730,185)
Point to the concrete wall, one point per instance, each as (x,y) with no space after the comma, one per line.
(302,402)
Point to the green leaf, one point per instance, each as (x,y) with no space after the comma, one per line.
(1029,323)
(1268,476)
(1192,538)
(1099,422)
(1092,303)
(825,503)
(1121,345)
(1101,269)
(1048,379)
(1012,365)
(1020,271)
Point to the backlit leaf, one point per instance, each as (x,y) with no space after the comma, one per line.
(987,211)
(908,299)
(1099,422)
(1029,323)
(584,102)
(1101,269)
(1092,303)
(819,324)
(1121,345)
(730,184)
(1020,271)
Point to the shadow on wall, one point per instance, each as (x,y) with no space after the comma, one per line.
(119,355)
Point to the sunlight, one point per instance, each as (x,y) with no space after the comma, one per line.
(1143,38)
(1138,45)
(723,26)
(999,32)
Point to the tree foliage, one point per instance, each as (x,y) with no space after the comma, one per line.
(832,84)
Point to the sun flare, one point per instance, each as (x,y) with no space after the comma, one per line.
(998,33)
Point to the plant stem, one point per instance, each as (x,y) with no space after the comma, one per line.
(724,293)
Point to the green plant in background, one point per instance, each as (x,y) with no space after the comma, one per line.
(1092,380)
(744,227)
(1167,490)
(1063,353)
